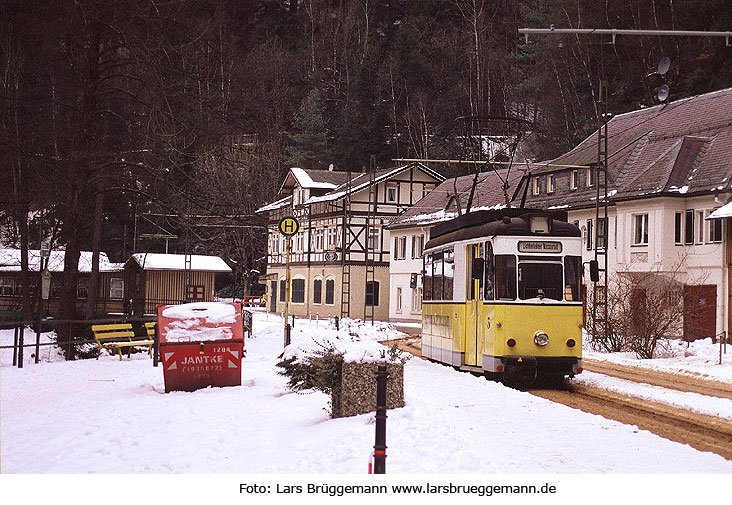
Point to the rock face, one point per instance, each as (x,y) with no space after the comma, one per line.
(357,391)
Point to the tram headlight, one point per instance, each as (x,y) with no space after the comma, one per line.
(511,342)
(541,338)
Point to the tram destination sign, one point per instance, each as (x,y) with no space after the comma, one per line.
(540,246)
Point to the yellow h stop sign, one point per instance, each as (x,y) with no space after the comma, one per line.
(288,226)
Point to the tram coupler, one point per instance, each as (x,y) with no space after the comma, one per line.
(519,370)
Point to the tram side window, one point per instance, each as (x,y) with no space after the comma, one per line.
(505,277)
(572,278)
(448,274)
(489,271)
(427,277)
(437,275)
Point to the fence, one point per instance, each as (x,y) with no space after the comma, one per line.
(78,331)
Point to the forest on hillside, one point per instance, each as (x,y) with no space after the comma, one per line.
(146,124)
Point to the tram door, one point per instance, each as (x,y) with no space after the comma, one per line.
(472,353)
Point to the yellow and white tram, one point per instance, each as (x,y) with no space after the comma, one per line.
(502,294)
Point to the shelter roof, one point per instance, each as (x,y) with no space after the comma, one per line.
(10,261)
(199,263)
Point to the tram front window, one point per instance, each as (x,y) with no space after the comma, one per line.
(540,280)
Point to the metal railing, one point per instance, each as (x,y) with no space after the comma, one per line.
(76,331)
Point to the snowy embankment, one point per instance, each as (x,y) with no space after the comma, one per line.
(112,416)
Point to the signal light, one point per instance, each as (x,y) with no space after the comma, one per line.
(510,342)
(579,369)
(499,368)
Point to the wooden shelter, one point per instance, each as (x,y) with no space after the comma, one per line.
(152,279)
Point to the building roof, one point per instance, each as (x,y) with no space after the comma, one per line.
(337,183)
(10,261)
(683,147)
(440,204)
(313,179)
(158,261)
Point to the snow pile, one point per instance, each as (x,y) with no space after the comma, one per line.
(200,321)
(356,340)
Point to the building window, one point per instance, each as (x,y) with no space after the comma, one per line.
(372,293)
(373,238)
(573,179)
(689,225)
(7,286)
(317,290)
(116,288)
(329,291)
(82,288)
(417,246)
(602,233)
(298,290)
(396,248)
(588,237)
(417,300)
(283,290)
(391,194)
(715,230)
(700,219)
(535,185)
(318,239)
(550,188)
(590,177)
(194,293)
(640,229)
(399,300)
(678,226)
(332,236)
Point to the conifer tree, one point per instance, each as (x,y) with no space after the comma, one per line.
(309,146)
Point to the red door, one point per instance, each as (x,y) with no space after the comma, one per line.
(700,312)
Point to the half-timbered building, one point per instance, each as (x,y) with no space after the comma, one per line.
(339,258)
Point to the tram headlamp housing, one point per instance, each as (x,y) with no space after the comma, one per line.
(541,338)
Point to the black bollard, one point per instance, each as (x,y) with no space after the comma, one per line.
(380,444)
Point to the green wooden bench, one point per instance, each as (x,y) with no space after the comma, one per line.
(118,336)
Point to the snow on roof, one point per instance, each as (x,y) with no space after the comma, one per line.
(10,261)
(723,211)
(305,181)
(158,261)
(284,202)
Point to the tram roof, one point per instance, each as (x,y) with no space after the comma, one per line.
(488,223)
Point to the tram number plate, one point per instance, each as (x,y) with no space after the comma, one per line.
(539,247)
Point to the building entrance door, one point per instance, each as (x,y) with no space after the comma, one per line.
(700,312)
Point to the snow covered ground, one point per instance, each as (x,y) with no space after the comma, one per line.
(109,416)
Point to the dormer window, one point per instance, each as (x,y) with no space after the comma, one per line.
(535,188)
(574,179)
(550,187)
(590,177)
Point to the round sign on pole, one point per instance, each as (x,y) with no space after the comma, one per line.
(288,226)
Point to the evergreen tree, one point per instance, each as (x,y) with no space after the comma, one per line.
(309,146)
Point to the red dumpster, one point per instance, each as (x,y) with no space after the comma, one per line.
(201,344)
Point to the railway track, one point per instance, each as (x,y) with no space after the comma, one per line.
(703,432)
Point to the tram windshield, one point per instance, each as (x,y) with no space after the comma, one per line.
(540,280)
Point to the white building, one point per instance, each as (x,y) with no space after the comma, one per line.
(669,168)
